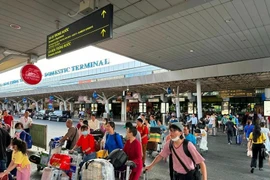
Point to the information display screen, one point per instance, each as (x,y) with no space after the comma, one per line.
(90,29)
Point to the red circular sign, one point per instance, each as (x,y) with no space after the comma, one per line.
(31,74)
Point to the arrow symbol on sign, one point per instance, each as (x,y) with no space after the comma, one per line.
(103,31)
(103,13)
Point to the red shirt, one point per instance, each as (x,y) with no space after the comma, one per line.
(8,119)
(134,153)
(143,131)
(86,142)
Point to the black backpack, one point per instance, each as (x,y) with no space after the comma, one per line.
(117,158)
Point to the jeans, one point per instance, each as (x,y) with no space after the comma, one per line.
(256,150)
(3,165)
(193,127)
(229,135)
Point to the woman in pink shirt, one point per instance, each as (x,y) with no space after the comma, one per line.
(177,140)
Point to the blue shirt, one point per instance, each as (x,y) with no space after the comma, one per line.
(191,138)
(248,129)
(153,123)
(113,142)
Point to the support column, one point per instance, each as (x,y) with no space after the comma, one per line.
(3,106)
(177,103)
(65,105)
(17,106)
(61,106)
(71,106)
(199,99)
(107,109)
(36,104)
(41,104)
(124,110)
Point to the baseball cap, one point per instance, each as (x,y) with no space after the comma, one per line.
(128,125)
(179,125)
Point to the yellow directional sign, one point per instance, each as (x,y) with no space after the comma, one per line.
(103,31)
(103,13)
(91,29)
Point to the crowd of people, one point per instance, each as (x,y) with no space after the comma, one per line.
(179,137)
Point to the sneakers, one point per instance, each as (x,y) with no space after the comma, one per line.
(260,169)
(252,170)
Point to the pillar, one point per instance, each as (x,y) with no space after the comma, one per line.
(199,99)
(124,110)
(25,106)
(61,106)
(41,104)
(107,109)
(36,104)
(71,106)
(3,106)
(177,104)
(65,105)
(17,106)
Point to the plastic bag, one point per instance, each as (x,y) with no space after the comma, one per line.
(249,153)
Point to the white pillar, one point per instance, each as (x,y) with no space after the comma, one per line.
(60,106)
(124,110)
(107,109)
(36,104)
(71,106)
(25,106)
(267,97)
(199,99)
(41,104)
(3,106)
(65,105)
(177,104)
(6,106)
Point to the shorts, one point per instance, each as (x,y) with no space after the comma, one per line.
(210,126)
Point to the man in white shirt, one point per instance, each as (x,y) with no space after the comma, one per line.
(93,123)
(194,122)
(26,121)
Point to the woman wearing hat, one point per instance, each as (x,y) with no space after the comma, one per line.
(175,148)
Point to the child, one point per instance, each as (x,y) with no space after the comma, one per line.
(19,161)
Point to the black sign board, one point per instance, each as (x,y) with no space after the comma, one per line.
(90,29)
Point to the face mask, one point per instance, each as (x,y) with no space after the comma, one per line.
(18,130)
(175,139)
(84,133)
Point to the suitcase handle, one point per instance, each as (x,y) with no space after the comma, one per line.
(87,163)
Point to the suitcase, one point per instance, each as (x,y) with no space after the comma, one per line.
(152,146)
(155,130)
(117,158)
(154,137)
(35,158)
(97,169)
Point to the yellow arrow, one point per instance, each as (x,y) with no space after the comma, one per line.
(103,13)
(103,31)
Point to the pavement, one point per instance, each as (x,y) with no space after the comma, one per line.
(223,161)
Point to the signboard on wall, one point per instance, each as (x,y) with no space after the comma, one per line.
(266,108)
(225,108)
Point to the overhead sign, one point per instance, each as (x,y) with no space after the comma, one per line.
(90,29)
(31,74)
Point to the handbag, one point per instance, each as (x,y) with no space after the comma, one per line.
(69,142)
(197,174)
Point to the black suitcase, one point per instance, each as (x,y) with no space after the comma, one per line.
(35,158)
(155,130)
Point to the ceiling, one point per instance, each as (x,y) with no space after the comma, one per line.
(172,34)
(249,82)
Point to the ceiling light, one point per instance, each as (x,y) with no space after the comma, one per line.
(191,50)
(228,20)
(15,26)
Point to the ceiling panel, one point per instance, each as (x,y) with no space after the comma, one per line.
(146,7)
(159,4)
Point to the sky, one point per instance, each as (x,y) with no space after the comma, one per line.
(80,56)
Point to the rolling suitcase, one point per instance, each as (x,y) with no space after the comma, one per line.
(97,169)
(152,146)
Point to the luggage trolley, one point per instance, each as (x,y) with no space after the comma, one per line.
(41,159)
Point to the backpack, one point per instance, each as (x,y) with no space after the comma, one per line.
(115,134)
(197,174)
(118,158)
(27,138)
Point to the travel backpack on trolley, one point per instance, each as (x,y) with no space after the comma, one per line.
(100,169)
